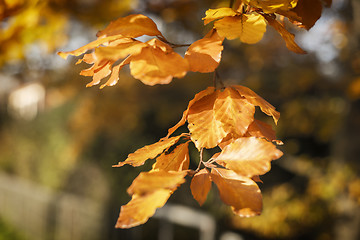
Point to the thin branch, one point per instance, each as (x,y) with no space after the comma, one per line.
(173,45)
(231,3)
(201,159)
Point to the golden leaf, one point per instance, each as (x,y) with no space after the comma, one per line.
(248,156)
(241,193)
(271,6)
(141,208)
(214,14)
(131,26)
(256,100)
(139,157)
(204,55)
(120,50)
(154,180)
(158,64)
(205,130)
(250,28)
(260,129)
(177,160)
(197,97)
(234,112)
(200,186)
(288,37)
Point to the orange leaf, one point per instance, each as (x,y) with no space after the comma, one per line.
(119,51)
(214,14)
(154,180)
(288,37)
(241,193)
(141,208)
(204,55)
(248,156)
(177,160)
(200,186)
(114,77)
(157,64)
(271,6)
(131,26)
(139,157)
(234,112)
(260,129)
(197,97)
(256,100)
(205,130)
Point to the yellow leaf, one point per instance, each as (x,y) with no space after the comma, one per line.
(256,100)
(141,208)
(131,26)
(177,160)
(241,193)
(288,37)
(214,14)
(205,130)
(154,180)
(139,157)
(158,64)
(119,51)
(271,6)
(197,97)
(248,156)
(249,28)
(200,186)
(234,112)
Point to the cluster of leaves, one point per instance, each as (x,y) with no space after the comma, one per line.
(217,118)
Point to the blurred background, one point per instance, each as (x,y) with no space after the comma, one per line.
(58,139)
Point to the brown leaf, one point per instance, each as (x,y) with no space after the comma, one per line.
(241,193)
(204,55)
(154,180)
(288,37)
(200,186)
(197,97)
(205,130)
(158,64)
(131,26)
(139,157)
(233,111)
(248,156)
(141,208)
(256,100)
(177,160)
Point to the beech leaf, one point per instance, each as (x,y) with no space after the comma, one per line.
(204,55)
(249,28)
(241,193)
(200,186)
(271,6)
(248,156)
(177,160)
(214,14)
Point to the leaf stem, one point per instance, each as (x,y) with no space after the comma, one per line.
(201,159)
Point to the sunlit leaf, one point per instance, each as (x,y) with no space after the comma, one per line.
(141,208)
(205,130)
(120,50)
(239,192)
(271,6)
(139,157)
(233,111)
(248,156)
(214,14)
(249,28)
(131,26)
(177,160)
(114,77)
(200,186)
(155,180)
(204,55)
(288,37)
(256,100)
(158,64)
(260,129)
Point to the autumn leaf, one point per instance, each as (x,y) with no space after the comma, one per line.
(131,26)
(215,14)
(139,157)
(248,156)
(204,55)
(177,160)
(249,28)
(157,64)
(234,112)
(256,100)
(239,192)
(271,6)
(200,186)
